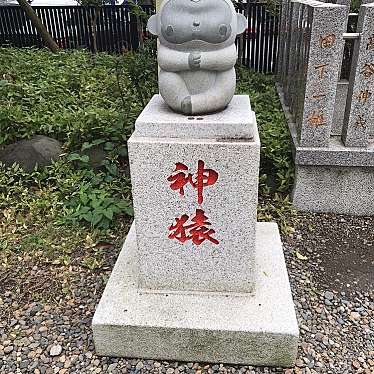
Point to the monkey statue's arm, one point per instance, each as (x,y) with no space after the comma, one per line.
(173,61)
(220,60)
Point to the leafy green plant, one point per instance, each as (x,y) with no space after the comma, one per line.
(96,207)
(88,102)
(69,96)
(94,261)
(140,68)
(355,5)
(277,167)
(273,6)
(280,209)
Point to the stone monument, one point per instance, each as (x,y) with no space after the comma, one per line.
(197,53)
(198,279)
(331,120)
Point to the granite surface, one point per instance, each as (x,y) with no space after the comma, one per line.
(329,22)
(197,53)
(157,120)
(309,65)
(359,114)
(195,199)
(339,110)
(227,203)
(333,189)
(291,45)
(256,330)
(335,178)
(335,154)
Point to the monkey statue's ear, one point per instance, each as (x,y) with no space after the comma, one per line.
(242,23)
(152,24)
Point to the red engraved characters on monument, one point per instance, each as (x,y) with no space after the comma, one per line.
(364,96)
(368,71)
(317,119)
(370,43)
(327,41)
(198,231)
(201,179)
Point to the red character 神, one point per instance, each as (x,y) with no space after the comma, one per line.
(197,231)
(203,178)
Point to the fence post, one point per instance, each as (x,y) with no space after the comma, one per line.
(290,46)
(282,45)
(134,35)
(300,63)
(324,34)
(359,113)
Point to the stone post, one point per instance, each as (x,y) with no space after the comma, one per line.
(359,114)
(168,262)
(291,36)
(328,23)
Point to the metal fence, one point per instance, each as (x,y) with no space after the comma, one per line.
(257,47)
(350,38)
(72,27)
(118,30)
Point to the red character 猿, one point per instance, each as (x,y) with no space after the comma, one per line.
(198,231)
(203,178)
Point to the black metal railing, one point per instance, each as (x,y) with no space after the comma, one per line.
(257,47)
(72,27)
(118,30)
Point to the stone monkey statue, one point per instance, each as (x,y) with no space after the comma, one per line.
(197,53)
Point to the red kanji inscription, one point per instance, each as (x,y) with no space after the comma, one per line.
(197,231)
(202,178)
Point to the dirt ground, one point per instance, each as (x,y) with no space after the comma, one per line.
(46,310)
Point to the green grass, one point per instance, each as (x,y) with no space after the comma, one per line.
(87,101)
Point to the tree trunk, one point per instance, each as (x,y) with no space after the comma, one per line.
(94,27)
(37,23)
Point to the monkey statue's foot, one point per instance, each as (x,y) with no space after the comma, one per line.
(186,105)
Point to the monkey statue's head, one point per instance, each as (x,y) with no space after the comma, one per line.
(197,24)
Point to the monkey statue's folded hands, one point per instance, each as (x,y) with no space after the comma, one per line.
(197,53)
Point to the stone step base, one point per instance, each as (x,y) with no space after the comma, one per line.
(201,327)
(339,190)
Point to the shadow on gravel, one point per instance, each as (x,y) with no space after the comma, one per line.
(340,250)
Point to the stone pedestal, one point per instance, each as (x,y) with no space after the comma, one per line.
(334,179)
(198,279)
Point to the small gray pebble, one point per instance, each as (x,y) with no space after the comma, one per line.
(329,295)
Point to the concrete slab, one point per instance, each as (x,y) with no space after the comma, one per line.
(206,327)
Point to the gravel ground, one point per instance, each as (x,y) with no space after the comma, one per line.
(46,310)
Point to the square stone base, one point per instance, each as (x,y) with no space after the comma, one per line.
(201,327)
